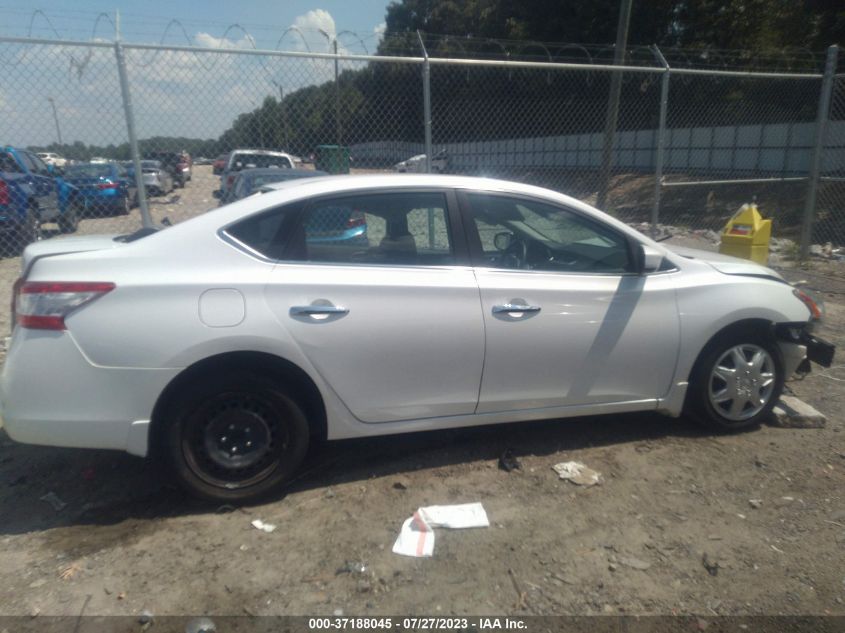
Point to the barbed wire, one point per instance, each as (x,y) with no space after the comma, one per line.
(793,59)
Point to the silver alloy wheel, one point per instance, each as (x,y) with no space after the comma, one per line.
(741,382)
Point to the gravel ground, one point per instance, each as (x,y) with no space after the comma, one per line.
(671,530)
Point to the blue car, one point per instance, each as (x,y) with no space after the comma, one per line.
(103,187)
(31,193)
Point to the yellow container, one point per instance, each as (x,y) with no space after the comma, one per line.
(747,235)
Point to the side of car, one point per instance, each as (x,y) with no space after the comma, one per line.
(463,302)
(32,192)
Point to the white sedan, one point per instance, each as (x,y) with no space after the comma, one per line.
(355,306)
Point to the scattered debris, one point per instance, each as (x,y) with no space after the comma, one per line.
(338,612)
(401,484)
(792,413)
(416,537)
(712,567)
(521,595)
(69,572)
(634,563)
(508,461)
(121,595)
(755,503)
(200,625)
(146,617)
(264,527)
(53,499)
(225,509)
(352,567)
(35,584)
(577,473)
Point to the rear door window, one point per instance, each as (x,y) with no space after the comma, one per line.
(393,229)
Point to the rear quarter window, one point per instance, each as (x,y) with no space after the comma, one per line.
(266,233)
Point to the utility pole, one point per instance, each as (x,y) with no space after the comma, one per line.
(56,119)
(613,102)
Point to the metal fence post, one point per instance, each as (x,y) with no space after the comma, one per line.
(661,139)
(818,148)
(146,219)
(426,103)
(619,57)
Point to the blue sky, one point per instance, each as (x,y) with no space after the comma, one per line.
(146,21)
(175,94)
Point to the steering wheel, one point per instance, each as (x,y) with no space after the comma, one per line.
(515,255)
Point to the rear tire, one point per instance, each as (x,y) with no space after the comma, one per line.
(30,230)
(69,220)
(737,381)
(234,437)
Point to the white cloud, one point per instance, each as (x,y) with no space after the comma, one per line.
(313,24)
(209,41)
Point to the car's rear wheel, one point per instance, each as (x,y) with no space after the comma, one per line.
(235,438)
(69,220)
(30,229)
(737,381)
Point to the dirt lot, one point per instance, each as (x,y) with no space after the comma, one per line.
(126,541)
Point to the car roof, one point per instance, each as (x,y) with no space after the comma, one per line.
(265,171)
(269,152)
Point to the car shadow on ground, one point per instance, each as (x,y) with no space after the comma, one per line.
(45,488)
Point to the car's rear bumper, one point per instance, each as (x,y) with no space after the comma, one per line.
(50,394)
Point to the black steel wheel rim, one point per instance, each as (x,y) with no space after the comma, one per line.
(235,439)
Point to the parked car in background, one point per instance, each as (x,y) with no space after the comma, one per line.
(103,187)
(98,160)
(219,164)
(240,159)
(249,181)
(416,164)
(31,193)
(157,180)
(51,158)
(470,301)
(178,164)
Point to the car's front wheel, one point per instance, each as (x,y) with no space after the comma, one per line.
(737,381)
(235,438)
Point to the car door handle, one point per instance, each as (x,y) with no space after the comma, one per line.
(317,310)
(514,307)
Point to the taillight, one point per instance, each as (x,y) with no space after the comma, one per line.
(811,303)
(4,193)
(43,305)
(356,218)
(107,185)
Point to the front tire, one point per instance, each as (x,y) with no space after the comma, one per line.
(737,381)
(235,438)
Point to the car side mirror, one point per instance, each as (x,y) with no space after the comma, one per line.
(502,241)
(648,259)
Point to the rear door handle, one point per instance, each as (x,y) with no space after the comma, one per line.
(515,307)
(317,310)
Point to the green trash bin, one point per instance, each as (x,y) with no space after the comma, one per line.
(333,159)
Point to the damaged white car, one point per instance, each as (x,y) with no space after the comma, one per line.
(368,305)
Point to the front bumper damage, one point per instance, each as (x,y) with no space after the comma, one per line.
(798,336)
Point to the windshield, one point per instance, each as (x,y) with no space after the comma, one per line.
(89,171)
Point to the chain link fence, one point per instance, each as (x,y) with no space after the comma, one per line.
(687,149)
